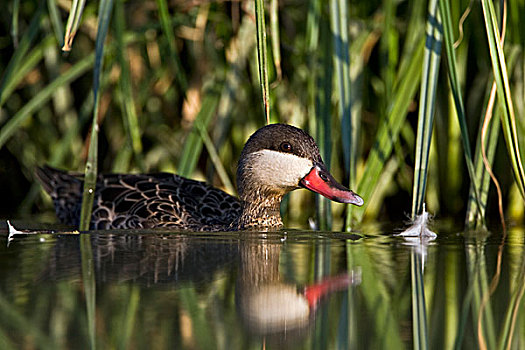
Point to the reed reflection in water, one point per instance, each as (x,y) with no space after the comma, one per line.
(294,289)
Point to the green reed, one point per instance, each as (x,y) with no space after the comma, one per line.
(126,94)
(91,168)
(167,28)
(501,78)
(73,22)
(427,105)
(456,92)
(262,56)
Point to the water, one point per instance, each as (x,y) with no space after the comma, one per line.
(161,289)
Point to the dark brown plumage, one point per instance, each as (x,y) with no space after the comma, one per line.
(276,159)
(142,201)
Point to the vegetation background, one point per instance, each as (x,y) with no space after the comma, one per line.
(175,86)
(180,91)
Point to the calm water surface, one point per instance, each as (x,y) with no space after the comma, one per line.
(293,289)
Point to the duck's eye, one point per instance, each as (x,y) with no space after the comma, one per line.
(286,147)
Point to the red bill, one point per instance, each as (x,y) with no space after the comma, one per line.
(320,181)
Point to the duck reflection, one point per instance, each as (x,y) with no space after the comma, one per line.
(152,259)
(270,306)
(266,304)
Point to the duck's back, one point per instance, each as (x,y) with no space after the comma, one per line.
(142,201)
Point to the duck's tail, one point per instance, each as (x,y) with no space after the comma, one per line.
(65,190)
(46,176)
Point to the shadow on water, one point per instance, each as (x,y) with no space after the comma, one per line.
(294,289)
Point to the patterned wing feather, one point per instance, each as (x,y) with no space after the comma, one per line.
(163,200)
(143,201)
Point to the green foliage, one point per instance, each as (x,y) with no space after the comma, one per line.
(178,76)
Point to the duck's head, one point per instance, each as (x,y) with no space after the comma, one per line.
(279,158)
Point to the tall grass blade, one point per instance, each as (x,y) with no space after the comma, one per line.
(90,172)
(166,25)
(444,8)
(388,48)
(56,21)
(416,25)
(357,94)
(320,62)
(321,91)
(313,22)
(491,132)
(341,57)
(21,51)
(389,129)
(73,133)
(427,102)
(73,22)
(262,57)
(215,159)
(488,135)
(43,96)
(275,37)
(127,101)
(324,212)
(239,51)
(475,216)
(501,78)
(31,59)
(193,145)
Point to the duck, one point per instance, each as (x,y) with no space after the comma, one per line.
(276,159)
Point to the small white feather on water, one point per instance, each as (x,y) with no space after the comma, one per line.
(419,227)
(12,232)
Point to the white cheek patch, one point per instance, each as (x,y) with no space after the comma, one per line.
(279,169)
